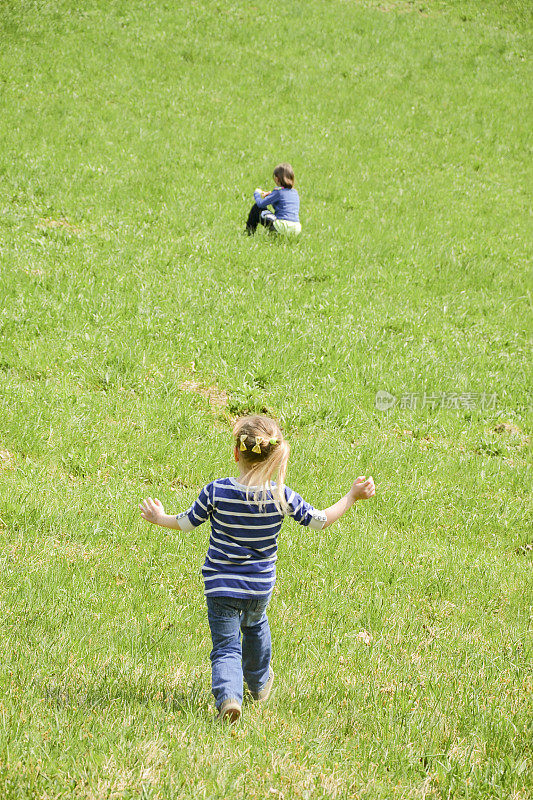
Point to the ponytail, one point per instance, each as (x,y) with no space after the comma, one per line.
(266,453)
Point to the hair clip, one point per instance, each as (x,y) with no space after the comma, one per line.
(257,447)
(243,439)
(273,440)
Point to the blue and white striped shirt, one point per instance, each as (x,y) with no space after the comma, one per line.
(241,560)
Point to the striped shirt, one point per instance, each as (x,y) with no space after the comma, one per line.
(241,560)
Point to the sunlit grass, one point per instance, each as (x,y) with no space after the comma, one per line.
(138,320)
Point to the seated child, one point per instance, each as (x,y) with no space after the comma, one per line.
(285,201)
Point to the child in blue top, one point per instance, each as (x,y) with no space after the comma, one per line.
(239,571)
(285,202)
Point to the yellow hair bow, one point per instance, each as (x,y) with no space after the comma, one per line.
(257,447)
(243,439)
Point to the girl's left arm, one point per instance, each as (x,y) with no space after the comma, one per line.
(362,489)
(153,511)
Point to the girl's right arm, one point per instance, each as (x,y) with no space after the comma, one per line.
(153,511)
(263,199)
(362,489)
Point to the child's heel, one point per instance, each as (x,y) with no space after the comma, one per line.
(229,711)
(263,695)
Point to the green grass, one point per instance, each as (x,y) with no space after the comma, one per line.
(137,320)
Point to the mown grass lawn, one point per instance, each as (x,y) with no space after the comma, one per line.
(137,321)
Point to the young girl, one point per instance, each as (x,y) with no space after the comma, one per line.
(240,567)
(285,201)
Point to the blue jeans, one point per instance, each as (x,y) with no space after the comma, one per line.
(230,660)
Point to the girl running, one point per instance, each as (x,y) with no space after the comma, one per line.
(239,572)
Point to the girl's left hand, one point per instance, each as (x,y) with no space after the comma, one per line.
(363,488)
(152,510)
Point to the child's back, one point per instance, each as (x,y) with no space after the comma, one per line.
(241,560)
(286,203)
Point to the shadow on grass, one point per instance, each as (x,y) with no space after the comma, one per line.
(189,698)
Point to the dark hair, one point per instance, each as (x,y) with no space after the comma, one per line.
(285,174)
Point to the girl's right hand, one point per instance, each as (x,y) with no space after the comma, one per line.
(152,510)
(363,488)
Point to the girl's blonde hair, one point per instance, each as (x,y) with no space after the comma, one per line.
(265,454)
(285,175)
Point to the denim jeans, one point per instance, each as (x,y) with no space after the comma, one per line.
(231,661)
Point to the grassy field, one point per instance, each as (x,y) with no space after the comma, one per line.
(137,321)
